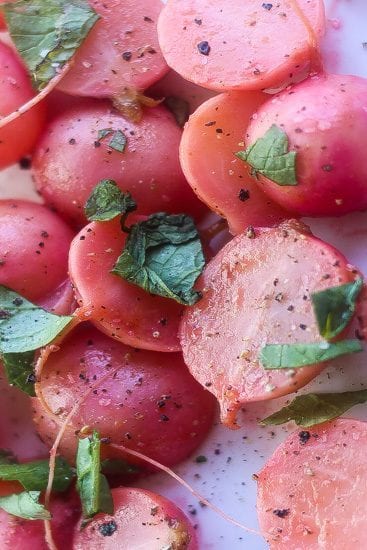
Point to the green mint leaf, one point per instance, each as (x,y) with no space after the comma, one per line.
(24,326)
(335,306)
(92,486)
(34,475)
(19,371)
(315,408)
(269,156)
(117,141)
(179,108)
(163,255)
(108,201)
(118,467)
(291,356)
(25,505)
(47,33)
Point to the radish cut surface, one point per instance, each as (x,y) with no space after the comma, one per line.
(142,520)
(240,44)
(256,291)
(312,493)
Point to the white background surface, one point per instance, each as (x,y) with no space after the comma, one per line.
(225,479)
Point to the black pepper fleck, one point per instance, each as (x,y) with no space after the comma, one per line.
(127,56)
(304,437)
(281,513)
(107,529)
(204,47)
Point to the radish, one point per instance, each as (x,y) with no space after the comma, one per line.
(232,45)
(257,291)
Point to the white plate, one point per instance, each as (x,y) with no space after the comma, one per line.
(233,456)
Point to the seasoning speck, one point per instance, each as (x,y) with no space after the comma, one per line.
(204,47)
(267,6)
(281,513)
(107,529)
(304,437)
(243,195)
(127,56)
(201,459)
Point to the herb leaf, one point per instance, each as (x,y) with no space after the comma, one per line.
(314,408)
(163,255)
(92,486)
(269,156)
(118,139)
(179,108)
(25,505)
(47,33)
(291,356)
(108,201)
(335,306)
(18,369)
(24,326)
(34,475)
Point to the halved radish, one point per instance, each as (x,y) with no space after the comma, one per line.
(120,52)
(144,400)
(120,309)
(323,119)
(72,156)
(18,138)
(19,534)
(34,249)
(142,519)
(256,291)
(312,493)
(212,136)
(17,431)
(248,45)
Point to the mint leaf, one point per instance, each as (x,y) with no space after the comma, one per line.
(25,505)
(315,408)
(335,306)
(92,486)
(108,201)
(19,371)
(117,141)
(291,356)
(269,156)
(24,326)
(179,108)
(163,255)
(47,33)
(34,475)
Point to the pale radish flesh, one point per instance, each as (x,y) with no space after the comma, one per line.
(312,491)
(120,52)
(212,136)
(232,45)
(257,291)
(142,519)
